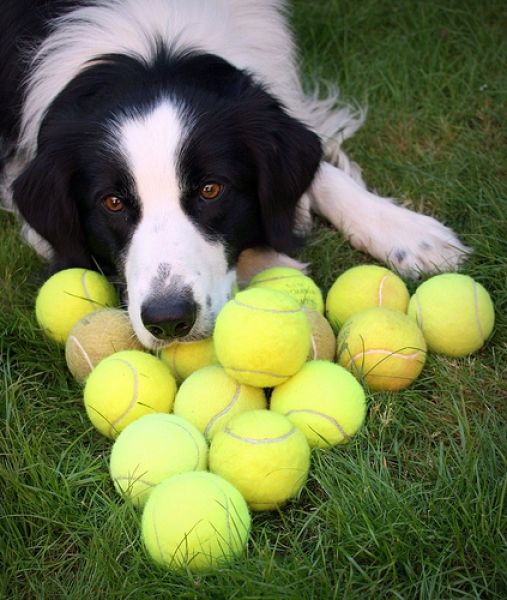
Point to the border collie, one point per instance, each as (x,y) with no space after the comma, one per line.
(157,140)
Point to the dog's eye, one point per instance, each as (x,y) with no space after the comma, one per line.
(113,203)
(210,191)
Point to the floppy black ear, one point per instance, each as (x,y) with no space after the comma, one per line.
(42,195)
(287,155)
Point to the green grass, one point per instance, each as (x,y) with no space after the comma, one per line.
(414,506)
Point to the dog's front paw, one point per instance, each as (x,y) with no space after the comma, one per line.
(412,243)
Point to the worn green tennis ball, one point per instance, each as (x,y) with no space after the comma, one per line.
(126,386)
(151,449)
(323,339)
(184,358)
(262,337)
(264,455)
(209,398)
(96,336)
(324,400)
(67,297)
(455,313)
(384,347)
(195,521)
(294,283)
(364,287)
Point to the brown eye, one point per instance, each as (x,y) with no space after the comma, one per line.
(113,203)
(210,191)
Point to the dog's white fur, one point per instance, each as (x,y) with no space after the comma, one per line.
(252,36)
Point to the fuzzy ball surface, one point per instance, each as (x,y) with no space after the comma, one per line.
(324,400)
(196,521)
(365,286)
(184,358)
(323,339)
(264,455)
(97,336)
(294,283)
(384,347)
(455,313)
(210,398)
(262,337)
(69,295)
(151,449)
(126,386)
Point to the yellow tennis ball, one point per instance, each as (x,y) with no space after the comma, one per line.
(195,521)
(383,346)
(364,287)
(294,283)
(209,398)
(455,313)
(67,297)
(264,455)
(184,358)
(96,336)
(152,449)
(126,386)
(323,339)
(324,400)
(262,337)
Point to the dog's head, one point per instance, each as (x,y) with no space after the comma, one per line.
(164,174)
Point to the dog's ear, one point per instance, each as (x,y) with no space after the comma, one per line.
(42,195)
(287,155)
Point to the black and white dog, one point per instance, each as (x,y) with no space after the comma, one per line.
(159,139)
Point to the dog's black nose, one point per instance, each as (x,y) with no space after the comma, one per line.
(167,317)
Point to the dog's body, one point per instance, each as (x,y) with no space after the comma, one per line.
(159,139)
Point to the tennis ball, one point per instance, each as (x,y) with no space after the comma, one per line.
(383,346)
(262,337)
(293,282)
(455,313)
(151,449)
(324,400)
(323,339)
(67,297)
(209,398)
(363,287)
(126,386)
(96,336)
(264,455)
(184,358)
(196,521)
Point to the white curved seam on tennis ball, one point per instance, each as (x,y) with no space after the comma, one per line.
(279,277)
(83,351)
(173,362)
(134,395)
(250,440)
(237,369)
(476,308)
(289,311)
(224,411)
(86,290)
(314,347)
(383,351)
(324,416)
(193,441)
(381,289)
(419,312)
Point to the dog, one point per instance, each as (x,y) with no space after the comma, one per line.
(165,142)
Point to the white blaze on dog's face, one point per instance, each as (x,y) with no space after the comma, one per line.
(169,259)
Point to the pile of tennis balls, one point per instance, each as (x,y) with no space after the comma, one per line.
(210,430)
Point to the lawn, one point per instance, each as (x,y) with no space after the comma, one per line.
(414,506)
